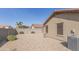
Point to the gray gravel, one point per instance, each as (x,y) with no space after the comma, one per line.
(33,42)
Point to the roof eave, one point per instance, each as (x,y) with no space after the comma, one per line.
(52,15)
(60,12)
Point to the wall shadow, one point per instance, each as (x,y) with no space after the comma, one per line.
(4,41)
(65,44)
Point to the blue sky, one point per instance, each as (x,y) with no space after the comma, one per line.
(28,16)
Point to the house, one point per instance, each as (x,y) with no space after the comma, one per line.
(37,28)
(5,27)
(61,23)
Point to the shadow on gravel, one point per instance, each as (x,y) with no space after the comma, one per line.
(3,42)
(64,44)
(14,49)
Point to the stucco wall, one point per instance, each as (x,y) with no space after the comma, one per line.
(29,30)
(25,30)
(70,22)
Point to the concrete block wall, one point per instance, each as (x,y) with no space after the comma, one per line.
(5,32)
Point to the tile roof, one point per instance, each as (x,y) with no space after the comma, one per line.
(4,26)
(37,25)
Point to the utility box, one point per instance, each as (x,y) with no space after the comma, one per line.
(73,43)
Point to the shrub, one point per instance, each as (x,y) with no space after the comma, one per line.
(21,32)
(32,32)
(11,37)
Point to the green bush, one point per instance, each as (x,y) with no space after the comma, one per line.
(11,37)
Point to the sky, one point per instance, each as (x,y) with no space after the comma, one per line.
(29,16)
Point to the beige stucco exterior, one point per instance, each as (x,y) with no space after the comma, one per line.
(70,22)
(37,30)
(33,27)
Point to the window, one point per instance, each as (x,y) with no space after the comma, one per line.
(60,28)
(47,29)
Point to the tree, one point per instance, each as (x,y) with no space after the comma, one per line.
(19,24)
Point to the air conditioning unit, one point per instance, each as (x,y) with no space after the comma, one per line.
(73,43)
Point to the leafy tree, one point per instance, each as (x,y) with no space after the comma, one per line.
(19,24)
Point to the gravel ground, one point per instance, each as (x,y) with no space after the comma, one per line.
(33,42)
